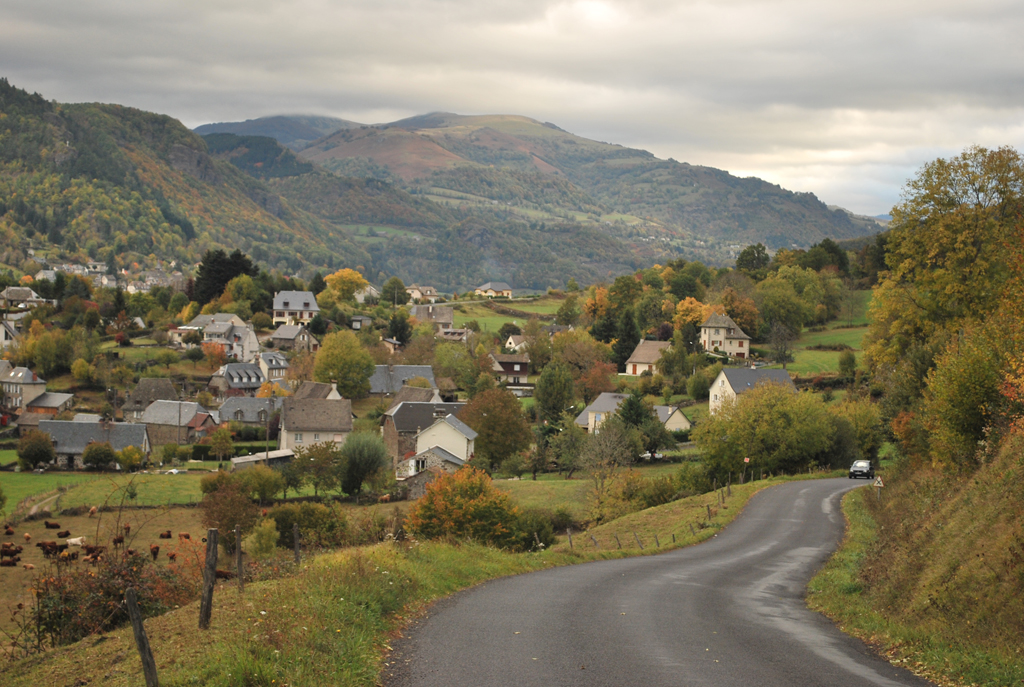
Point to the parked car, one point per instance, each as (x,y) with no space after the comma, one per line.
(862,468)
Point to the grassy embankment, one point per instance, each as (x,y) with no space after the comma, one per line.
(329,623)
(933,574)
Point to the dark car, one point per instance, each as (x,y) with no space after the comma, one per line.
(862,468)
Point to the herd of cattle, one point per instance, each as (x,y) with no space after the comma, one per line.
(10,553)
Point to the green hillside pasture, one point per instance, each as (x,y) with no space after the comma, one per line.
(541,306)
(18,486)
(861,303)
(811,362)
(152,490)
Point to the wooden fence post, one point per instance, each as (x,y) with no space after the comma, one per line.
(656,542)
(638,541)
(595,542)
(238,557)
(692,530)
(569,532)
(141,640)
(708,505)
(295,540)
(209,579)
(617,540)
(673,537)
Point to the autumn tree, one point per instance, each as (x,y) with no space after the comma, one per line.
(227,507)
(215,354)
(340,288)
(221,445)
(342,359)
(497,417)
(35,448)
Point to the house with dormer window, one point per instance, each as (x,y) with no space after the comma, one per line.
(719,334)
(295,307)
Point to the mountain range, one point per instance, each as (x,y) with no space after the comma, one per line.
(443,199)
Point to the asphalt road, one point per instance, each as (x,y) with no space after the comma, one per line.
(727,612)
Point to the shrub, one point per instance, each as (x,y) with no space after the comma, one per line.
(319,525)
(466,505)
(34,449)
(536,529)
(99,456)
(657,491)
(263,540)
(692,479)
(697,386)
(215,480)
(226,507)
(364,454)
(261,482)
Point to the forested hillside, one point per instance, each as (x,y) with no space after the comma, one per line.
(124,186)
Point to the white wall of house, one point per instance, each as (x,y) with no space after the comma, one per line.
(716,337)
(447,437)
(720,392)
(291,439)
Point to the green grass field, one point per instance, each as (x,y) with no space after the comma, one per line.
(21,485)
(811,362)
(152,490)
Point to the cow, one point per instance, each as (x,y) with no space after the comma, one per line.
(92,511)
(184,535)
(77,541)
(28,537)
(10,551)
(172,555)
(9,531)
(165,534)
(9,562)
(28,566)
(127,528)
(118,540)
(154,551)
(91,550)
(51,525)
(386,498)
(64,534)
(225,575)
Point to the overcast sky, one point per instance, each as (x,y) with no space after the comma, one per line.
(843,99)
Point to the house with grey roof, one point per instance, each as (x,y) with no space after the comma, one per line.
(238,340)
(70,439)
(607,404)
(402,422)
(148,389)
(8,334)
(252,412)
(317,390)
(50,403)
(422,293)
(295,307)
(449,433)
(719,334)
(294,337)
(308,421)
(441,316)
(388,379)
(177,422)
(21,297)
(731,382)
(511,368)
(360,322)
(273,459)
(434,457)
(199,323)
(274,366)
(367,294)
(236,379)
(20,386)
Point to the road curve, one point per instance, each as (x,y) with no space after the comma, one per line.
(727,612)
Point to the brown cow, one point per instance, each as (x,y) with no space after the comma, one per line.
(165,535)
(154,551)
(9,562)
(28,566)
(386,498)
(92,511)
(28,537)
(118,540)
(172,555)
(51,525)
(184,535)
(127,528)
(64,534)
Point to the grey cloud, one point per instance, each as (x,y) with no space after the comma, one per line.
(846,100)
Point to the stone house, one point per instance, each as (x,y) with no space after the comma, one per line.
(236,379)
(251,412)
(317,390)
(433,458)
(389,379)
(70,439)
(360,322)
(401,423)
(441,316)
(731,382)
(719,334)
(21,297)
(8,334)
(645,357)
(148,389)
(294,337)
(295,307)
(177,422)
(239,341)
(307,421)
(416,486)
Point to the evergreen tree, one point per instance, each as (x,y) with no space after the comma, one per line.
(317,284)
(628,338)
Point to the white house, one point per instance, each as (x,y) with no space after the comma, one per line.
(731,382)
(719,334)
(295,307)
(307,421)
(645,357)
(451,434)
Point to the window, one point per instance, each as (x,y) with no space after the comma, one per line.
(316,437)
(263,416)
(298,437)
(239,415)
(722,384)
(516,368)
(740,344)
(716,331)
(715,397)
